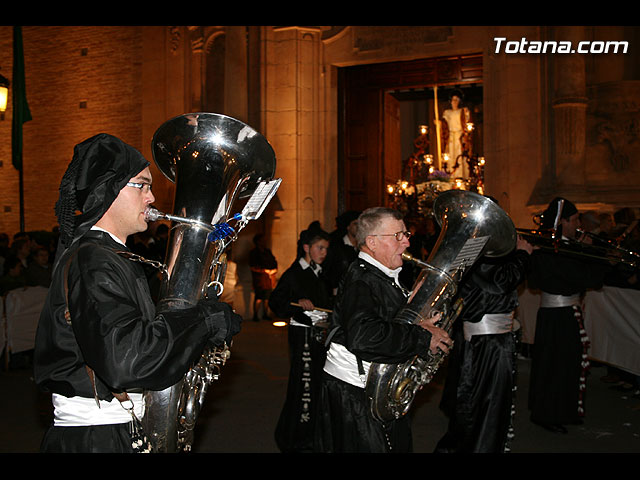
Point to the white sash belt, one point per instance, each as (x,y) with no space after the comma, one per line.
(83,411)
(549,300)
(343,364)
(491,323)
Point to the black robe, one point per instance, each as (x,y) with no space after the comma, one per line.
(367,303)
(339,257)
(559,357)
(114,328)
(307,353)
(481,377)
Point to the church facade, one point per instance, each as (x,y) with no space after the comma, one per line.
(555,109)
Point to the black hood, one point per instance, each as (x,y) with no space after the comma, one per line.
(101,167)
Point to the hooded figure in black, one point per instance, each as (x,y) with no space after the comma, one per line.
(99,331)
(478,396)
(559,358)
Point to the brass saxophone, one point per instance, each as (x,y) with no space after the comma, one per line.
(471,225)
(214,160)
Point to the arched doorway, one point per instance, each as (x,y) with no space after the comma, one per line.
(377,105)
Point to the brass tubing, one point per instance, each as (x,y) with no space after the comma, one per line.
(574,247)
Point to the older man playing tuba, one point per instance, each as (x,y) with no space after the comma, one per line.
(368,299)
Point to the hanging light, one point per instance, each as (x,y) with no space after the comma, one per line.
(4,94)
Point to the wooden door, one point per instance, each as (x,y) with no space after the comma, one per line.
(369,121)
(362,147)
(392,149)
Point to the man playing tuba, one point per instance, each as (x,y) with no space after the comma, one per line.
(368,299)
(100,337)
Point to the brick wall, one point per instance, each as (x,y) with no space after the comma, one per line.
(80,81)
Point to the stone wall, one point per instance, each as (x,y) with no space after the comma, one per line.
(80,81)
(126,80)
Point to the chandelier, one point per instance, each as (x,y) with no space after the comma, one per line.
(424,177)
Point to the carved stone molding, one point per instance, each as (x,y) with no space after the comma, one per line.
(389,37)
(175,38)
(614,119)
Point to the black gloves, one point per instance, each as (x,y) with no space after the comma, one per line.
(221,319)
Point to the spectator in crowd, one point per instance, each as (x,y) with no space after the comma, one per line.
(38,272)
(14,275)
(21,248)
(263,274)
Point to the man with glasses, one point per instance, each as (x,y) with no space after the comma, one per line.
(369,297)
(100,340)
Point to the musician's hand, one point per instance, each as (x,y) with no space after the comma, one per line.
(440,339)
(522,244)
(306,304)
(222,319)
(584,238)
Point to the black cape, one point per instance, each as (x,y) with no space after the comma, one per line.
(114,327)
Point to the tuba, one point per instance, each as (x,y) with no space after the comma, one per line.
(471,225)
(214,160)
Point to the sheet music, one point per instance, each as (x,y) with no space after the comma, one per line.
(260,199)
(469,253)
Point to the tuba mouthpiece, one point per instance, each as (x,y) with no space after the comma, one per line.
(408,257)
(151,214)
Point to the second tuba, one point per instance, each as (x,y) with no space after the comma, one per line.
(471,225)
(214,161)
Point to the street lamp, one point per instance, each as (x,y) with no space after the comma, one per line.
(4,94)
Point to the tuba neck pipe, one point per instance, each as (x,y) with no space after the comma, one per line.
(152,215)
(572,247)
(410,258)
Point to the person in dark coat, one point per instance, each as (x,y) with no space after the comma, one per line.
(99,333)
(479,391)
(342,247)
(364,331)
(303,295)
(559,358)
(38,273)
(14,276)
(264,267)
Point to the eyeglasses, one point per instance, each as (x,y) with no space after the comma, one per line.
(143,187)
(399,235)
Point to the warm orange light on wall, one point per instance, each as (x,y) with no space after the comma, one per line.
(4,94)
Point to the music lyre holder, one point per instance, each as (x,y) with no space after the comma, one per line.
(252,210)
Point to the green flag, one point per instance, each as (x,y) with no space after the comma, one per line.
(21,111)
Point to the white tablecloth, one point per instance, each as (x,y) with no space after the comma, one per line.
(612,322)
(23,307)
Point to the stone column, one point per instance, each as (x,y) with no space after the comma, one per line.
(235,73)
(196,69)
(293,125)
(570,110)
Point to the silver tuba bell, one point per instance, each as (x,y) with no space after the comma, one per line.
(471,225)
(214,160)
